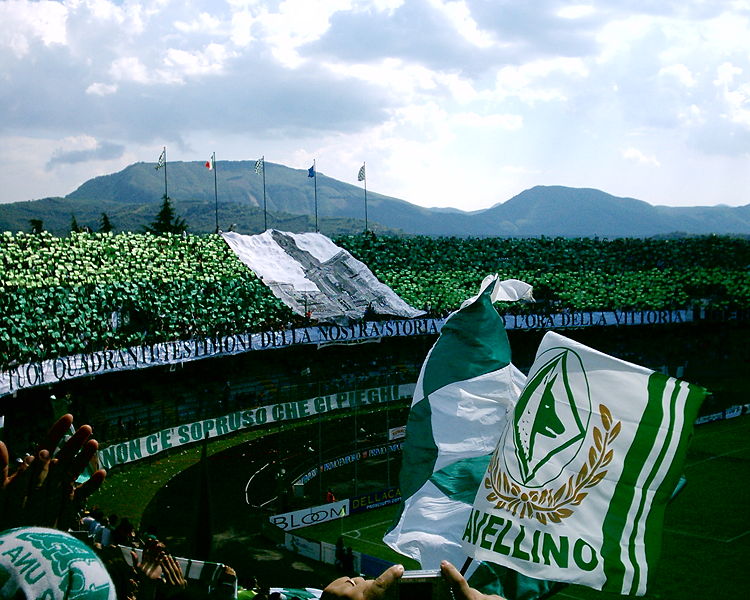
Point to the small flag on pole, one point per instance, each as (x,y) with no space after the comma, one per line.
(259,165)
(361,175)
(210,163)
(162,159)
(311,171)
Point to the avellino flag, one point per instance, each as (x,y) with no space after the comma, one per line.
(577,486)
(465,392)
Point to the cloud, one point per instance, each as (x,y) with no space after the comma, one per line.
(681,74)
(501,93)
(25,23)
(636,156)
(101,151)
(438,42)
(101,89)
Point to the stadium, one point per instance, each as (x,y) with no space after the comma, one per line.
(243,430)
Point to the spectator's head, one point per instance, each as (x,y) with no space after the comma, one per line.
(36,562)
(124,533)
(97,514)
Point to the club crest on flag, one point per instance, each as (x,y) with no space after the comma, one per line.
(551,421)
(548,420)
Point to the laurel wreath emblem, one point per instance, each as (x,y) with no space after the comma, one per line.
(550,504)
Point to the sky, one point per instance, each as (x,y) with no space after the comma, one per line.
(459,104)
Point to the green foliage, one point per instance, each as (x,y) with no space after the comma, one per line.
(105,226)
(89,291)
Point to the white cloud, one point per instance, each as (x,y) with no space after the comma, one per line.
(204,23)
(679,72)
(692,115)
(241,28)
(507,121)
(25,22)
(459,14)
(540,80)
(101,89)
(297,22)
(130,68)
(576,11)
(636,156)
(736,94)
(210,60)
(620,36)
(726,73)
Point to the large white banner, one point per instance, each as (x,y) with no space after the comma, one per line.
(315,277)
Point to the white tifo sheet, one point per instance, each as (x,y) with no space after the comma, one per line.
(313,276)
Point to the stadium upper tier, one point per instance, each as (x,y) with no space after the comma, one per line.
(87,292)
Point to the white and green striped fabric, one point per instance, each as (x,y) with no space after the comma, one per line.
(465,392)
(301,593)
(578,484)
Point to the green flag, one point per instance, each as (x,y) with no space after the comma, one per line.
(464,394)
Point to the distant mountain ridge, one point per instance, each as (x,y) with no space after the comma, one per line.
(131,199)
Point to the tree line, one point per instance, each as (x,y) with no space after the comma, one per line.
(166,221)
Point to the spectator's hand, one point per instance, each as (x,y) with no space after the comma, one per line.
(173,576)
(358,588)
(459,585)
(146,574)
(42,490)
(150,567)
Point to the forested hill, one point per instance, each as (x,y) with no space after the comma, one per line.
(131,199)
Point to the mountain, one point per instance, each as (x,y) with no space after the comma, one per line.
(131,199)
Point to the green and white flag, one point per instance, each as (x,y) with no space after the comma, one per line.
(465,393)
(583,470)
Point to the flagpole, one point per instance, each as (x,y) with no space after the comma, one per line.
(365,180)
(216,192)
(166,195)
(265,210)
(315,181)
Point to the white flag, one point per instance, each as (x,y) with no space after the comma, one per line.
(583,470)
